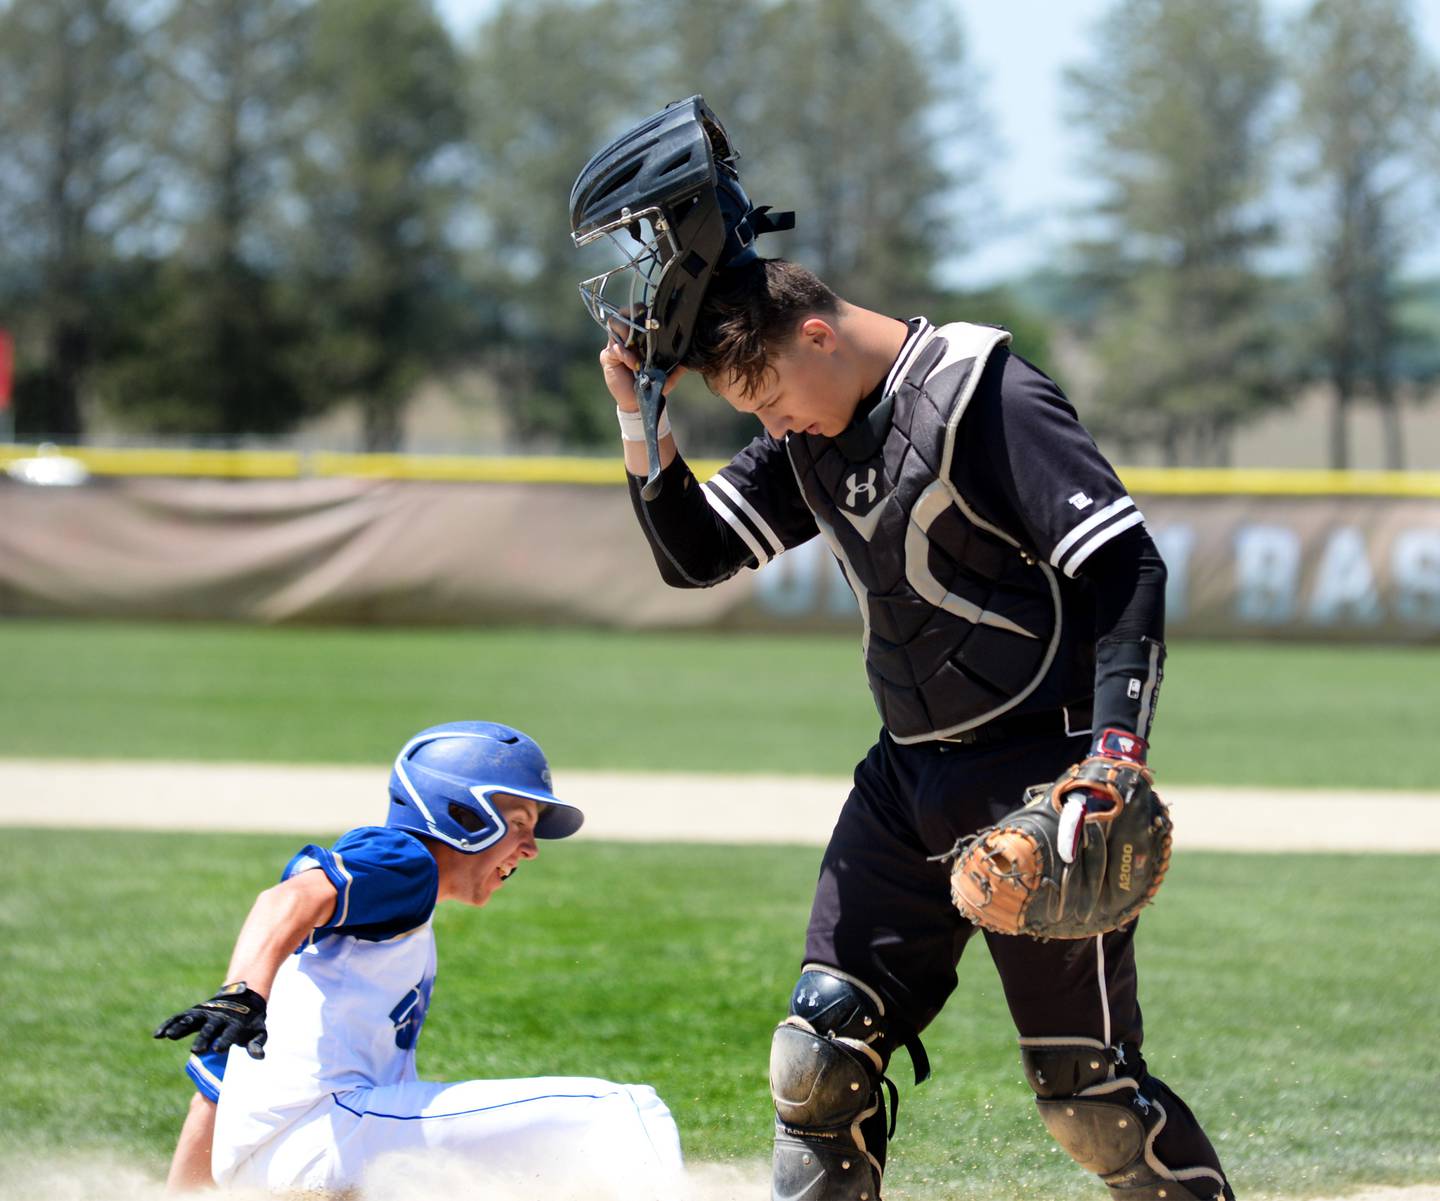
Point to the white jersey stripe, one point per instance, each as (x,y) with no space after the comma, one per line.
(1086,526)
(1100,539)
(744,506)
(720,506)
(1147,693)
(342,905)
(1104,988)
(908,351)
(197,1065)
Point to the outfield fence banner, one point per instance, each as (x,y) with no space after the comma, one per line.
(333,549)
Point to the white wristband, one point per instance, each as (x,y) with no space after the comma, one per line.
(632,425)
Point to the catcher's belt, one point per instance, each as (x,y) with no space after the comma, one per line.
(1065,722)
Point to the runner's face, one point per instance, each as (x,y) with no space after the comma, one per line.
(473,879)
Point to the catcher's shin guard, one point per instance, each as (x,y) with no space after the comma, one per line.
(1108,1121)
(826,1070)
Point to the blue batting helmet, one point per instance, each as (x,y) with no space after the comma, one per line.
(445,777)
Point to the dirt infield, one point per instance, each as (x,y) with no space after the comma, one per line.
(648,808)
(434,1179)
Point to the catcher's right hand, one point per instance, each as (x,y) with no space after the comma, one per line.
(620,362)
(233,1016)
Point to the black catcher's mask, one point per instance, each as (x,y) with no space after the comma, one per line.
(671,185)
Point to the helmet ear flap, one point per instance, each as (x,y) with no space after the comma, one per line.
(467,819)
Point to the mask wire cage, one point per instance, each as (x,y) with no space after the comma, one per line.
(620,299)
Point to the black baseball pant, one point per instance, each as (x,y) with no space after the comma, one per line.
(882,910)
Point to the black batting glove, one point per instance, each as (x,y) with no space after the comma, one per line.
(234,1015)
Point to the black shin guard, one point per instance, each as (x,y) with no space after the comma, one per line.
(1108,1122)
(826,1075)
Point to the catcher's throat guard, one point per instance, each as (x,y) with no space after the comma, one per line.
(666,195)
(1037,873)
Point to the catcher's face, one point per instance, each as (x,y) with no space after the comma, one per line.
(808,389)
(473,879)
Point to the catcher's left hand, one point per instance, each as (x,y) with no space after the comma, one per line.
(1081,857)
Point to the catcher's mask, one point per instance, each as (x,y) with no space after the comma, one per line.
(668,196)
(445,780)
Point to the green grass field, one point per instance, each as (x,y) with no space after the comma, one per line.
(1290,999)
(1307,1040)
(1253,713)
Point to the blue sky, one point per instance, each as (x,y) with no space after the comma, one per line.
(1021,48)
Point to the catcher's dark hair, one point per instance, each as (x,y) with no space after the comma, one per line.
(750,311)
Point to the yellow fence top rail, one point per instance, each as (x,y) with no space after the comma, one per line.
(1253,481)
(518,469)
(575,469)
(102,460)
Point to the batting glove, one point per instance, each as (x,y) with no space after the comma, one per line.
(233,1016)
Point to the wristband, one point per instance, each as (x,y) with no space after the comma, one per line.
(1120,744)
(632,425)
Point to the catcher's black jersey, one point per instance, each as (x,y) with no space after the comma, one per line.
(1019,461)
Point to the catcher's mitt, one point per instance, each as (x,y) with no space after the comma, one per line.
(1053,869)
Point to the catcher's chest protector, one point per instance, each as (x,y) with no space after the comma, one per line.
(960,623)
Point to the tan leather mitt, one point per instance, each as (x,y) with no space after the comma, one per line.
(1081,857)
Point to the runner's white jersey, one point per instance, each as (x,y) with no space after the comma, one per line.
(337,1091)
(346,1009)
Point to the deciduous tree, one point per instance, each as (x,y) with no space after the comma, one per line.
(76,179)
(1369,107)
(215,352)
(1175,101)
(377,179)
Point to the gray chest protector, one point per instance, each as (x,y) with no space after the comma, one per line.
(960,623)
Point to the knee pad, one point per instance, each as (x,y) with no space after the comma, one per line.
(825,1078)
(839,1006)
(1104,1121)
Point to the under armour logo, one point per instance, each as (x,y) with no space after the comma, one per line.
(810,998)
(1081,501)
(853,488)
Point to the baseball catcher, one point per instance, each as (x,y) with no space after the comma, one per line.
(1012,608)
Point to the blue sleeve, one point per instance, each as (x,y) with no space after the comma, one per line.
(207,1071)
(385,881)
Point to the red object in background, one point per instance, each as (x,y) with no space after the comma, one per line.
(7,368)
